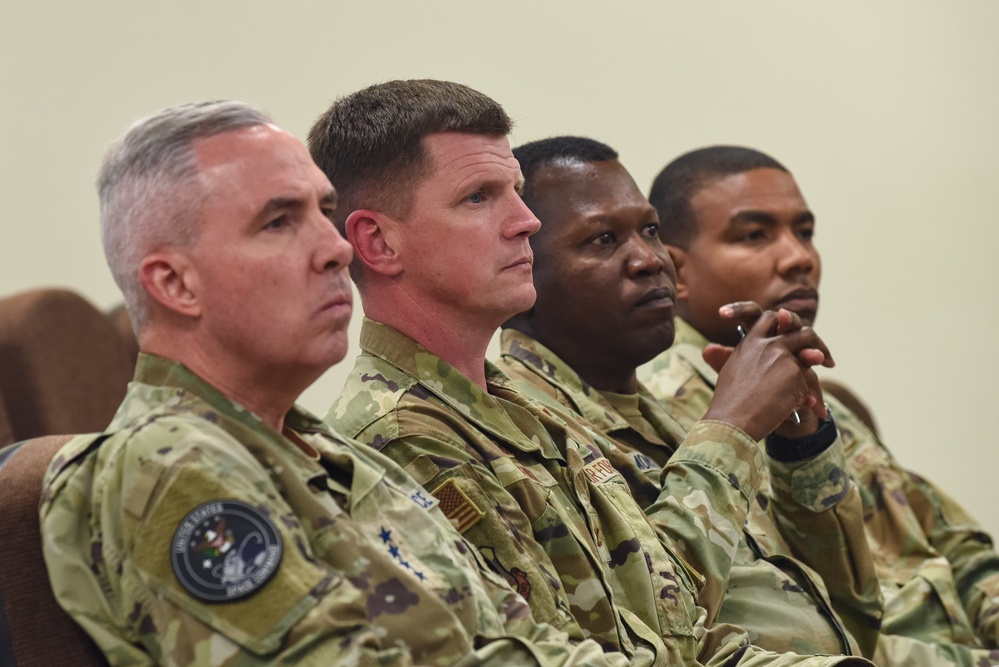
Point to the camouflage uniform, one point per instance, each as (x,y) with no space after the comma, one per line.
(781,601)
(535,494)
(360,566)
(938,570)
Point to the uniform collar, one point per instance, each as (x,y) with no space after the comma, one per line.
(449,385)
(648,417)
(151,369)
(688,343)
(159,380)
(586,400)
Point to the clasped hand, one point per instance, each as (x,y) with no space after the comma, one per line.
(769,373)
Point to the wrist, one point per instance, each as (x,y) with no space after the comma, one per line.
(791,450)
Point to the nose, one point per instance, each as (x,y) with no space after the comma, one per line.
(795,255)
(521,220)
(647,259)
(331,251)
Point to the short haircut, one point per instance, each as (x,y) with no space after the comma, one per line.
(370,143)
(151,190)
(536,154)
(681,179)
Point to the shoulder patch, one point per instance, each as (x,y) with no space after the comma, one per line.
(643,462)
(600,470)
(225,550)
(457,506)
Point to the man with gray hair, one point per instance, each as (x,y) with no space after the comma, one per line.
(214,522)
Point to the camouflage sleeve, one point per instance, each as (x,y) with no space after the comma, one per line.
(725,645)
(138,502)
(972,555)
(904,650)
(818,510)
(292,609)
(707,487)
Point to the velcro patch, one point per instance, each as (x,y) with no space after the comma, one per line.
(423,499)
(225,550)
(457,506)
(599,471)
(643,462)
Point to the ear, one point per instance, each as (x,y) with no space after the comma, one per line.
(169,277)
(679,257)
(375,240)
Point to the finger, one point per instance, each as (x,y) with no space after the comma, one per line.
(747,311)
(788,321)
(816,401)
(717,355)
(811,357)
(765,325)
(805,337)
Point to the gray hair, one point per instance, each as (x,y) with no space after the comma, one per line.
(151,189)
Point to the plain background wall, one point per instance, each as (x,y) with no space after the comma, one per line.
(886,113)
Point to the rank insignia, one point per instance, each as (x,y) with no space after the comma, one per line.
(225,550)
(457,506)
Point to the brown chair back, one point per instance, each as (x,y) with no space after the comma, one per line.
(64,365)
(34,629)
(6,428)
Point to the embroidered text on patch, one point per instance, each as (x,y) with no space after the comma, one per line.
(225,550)
(600,471)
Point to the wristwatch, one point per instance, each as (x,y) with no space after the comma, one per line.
(791,450)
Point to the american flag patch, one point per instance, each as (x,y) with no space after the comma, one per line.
(457,506)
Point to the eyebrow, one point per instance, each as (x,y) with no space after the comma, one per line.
(330,198)
(276,204)
(766,218)
(648,216)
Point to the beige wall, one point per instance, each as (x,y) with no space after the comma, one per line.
(886,112)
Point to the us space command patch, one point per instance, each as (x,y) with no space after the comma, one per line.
(225,550)
(457,506)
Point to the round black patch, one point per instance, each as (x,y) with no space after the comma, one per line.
(225,550)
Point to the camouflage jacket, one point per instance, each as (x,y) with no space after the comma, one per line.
(938,570)
(191,533)
(780,600)
(536,495)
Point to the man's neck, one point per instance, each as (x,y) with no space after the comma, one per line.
(267,393)
(616,380)
(454,337)
(593,368)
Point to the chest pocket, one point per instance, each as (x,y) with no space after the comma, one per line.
(562,532)
(403,523)
(490,518)
(415,568)
(648,578)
